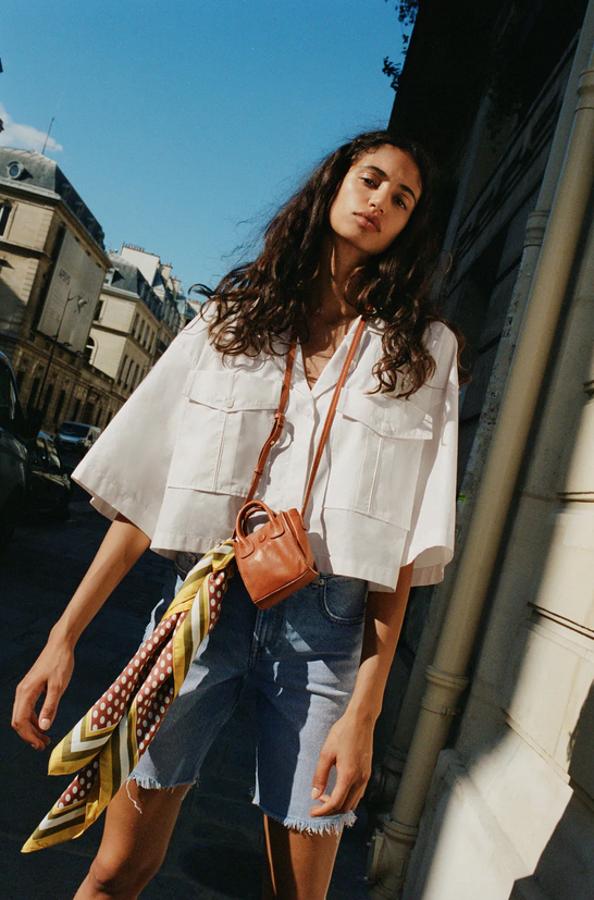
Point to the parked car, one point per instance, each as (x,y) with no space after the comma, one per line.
(73,439)
(15,436)
(50,487)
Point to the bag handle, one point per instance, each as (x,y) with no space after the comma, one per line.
(279,418)
(248,509)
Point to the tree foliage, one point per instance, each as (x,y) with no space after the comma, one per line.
(406,11)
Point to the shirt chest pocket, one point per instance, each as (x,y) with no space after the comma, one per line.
(226,419)
(376,449)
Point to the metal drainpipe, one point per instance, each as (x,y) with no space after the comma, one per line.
(446,677)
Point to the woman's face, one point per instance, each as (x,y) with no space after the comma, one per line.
(376,199)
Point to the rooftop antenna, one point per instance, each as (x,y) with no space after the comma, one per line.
(52,120)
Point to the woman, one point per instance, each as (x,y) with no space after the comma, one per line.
(171,471)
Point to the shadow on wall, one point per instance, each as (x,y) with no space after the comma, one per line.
(575,822)
(479,796)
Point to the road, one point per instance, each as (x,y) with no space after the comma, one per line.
(217,848)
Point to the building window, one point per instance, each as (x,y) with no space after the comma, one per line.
(33,394)
(128,371)
(122,367)
(15,169)
(8,402)
(49,392)
(89,352)
(5,209)
(59,404)
(99,309)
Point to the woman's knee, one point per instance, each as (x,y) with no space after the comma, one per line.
(123,877)
(135,840)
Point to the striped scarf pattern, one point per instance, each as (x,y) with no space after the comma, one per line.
(106,744)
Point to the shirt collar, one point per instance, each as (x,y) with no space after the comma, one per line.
(329,377)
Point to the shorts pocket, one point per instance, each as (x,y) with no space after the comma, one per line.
(226,420)
(343,599)
(376,446)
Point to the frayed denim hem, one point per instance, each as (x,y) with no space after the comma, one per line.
(148,783)
(323,825)
(151,784)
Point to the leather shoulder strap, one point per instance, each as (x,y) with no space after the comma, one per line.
(279,418)
(331,413)
(279,421)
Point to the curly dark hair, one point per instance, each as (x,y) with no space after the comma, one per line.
(257,304)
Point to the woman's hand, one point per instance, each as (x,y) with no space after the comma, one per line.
(349,747)
(50,674)
(122,545)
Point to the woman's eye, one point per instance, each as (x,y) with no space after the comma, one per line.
(400,201)
(368,180)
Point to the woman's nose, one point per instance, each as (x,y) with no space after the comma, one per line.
(376,204)
(378,199)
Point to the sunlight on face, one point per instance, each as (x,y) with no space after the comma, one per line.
(376,199)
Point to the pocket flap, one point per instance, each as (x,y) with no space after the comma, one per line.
(388,416)
(233,390)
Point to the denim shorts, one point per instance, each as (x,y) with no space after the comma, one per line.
(302,657)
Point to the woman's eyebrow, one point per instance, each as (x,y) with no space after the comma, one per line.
(382,174)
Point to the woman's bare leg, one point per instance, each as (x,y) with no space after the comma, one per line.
(134,842)
(299,864)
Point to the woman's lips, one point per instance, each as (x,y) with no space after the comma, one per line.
(368,222)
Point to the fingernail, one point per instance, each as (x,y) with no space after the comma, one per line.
(44,723)
(315,793)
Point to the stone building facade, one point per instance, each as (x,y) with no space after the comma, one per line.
(52,265)
(483,774)
(164,286)
(134,323)
(81,327)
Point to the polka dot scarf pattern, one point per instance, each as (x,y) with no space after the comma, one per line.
(106,744)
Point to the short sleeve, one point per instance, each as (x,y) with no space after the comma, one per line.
(430,540)
(126,469)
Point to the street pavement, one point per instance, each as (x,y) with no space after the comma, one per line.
(217,848)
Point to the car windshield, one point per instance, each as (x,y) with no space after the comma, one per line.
(75,429)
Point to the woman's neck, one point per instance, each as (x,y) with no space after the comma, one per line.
(338,260)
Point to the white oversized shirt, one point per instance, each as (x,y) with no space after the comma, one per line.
(178,458)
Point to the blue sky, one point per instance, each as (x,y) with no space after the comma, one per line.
(184,124)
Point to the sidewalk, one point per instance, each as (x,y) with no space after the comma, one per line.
(217,848)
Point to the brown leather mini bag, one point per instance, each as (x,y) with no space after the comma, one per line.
(276,559)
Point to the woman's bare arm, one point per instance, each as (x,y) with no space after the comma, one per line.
(349,744)
(383,624)
(121,547)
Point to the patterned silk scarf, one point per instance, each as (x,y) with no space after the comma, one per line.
(106,744)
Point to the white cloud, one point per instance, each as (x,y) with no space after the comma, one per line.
(24,137)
